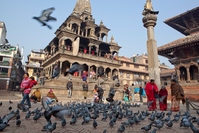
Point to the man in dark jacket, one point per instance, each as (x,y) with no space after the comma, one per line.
(69,87)
(100,93)
(111,95)
(85,89)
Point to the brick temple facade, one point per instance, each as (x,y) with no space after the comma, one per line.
(183,53)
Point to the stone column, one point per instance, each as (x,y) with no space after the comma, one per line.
(89,71)
(60,67)
(188,74)
(86,32)
(106,38)
(78,29)
(89,50)
(178,74)
(100,36)
(96,71)
(149,21)
(97,51)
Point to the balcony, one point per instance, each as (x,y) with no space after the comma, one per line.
(4,63)
(37,58)
(87,56)
(3,75)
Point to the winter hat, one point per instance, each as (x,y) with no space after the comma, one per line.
(51,90)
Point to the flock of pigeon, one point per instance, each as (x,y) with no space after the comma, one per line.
(113,114)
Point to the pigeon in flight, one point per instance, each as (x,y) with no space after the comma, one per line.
(45,17)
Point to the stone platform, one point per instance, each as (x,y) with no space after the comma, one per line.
(59,87)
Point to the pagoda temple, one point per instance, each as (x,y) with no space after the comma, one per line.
(79,40)
(183,53)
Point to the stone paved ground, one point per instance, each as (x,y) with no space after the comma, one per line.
(29,126)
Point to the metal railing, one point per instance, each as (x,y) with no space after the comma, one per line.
(189,103)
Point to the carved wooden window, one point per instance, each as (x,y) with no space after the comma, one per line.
(136,66)
(1,58)
(3,70)
(121,74)
(127,65)
(127,75)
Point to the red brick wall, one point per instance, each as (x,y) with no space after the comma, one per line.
(3,84)
(191,92)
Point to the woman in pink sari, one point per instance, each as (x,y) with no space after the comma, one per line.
(163,98)
(150,90)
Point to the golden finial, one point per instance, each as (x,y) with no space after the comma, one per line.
(148,5)
(148,8)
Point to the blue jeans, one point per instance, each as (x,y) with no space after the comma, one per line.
(42,81)
(26,97)
(55,73)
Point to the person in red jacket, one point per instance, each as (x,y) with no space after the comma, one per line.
(26,86)
(151,89)
(33,82)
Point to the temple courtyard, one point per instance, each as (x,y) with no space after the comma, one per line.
(30,126)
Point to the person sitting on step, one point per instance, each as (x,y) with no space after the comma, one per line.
(36,96)
(52,96)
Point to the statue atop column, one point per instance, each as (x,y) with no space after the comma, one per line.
(148,8)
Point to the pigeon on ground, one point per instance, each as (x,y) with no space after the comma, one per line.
(46,126)
(73,121)
(28,115)
(10,101)
(94,123)
(45,17)
(52,127)
(121,129)
(18,122)
(111,123)
(169,113)
(170,124)
(17,116)
(3,126)
(154,130)
(63,122)
(105,131)
(10,108)
(17,112)
(147,128)
(194,129)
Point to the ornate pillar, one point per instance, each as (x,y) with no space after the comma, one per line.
(60,67)
(86,32)
(149,21)
(88,71)
(100,36)
(97,51)
(78,29)
(70,26)
(89,50)
(178,74)
(106,38)
(96,71)
(188,73)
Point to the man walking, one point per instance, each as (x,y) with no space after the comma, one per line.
(141,93)
(100,92)
(131,88)
(69,87)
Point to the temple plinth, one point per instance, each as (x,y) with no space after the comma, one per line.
(149,21)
